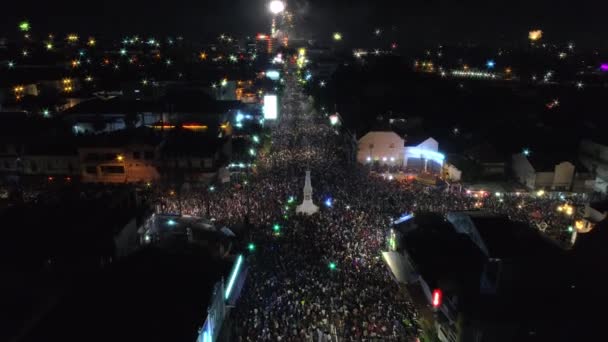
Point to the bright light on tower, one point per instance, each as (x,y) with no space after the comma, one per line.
(276,6)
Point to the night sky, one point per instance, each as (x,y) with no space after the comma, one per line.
(429,21)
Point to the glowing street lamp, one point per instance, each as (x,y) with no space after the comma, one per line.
(490,64)
(276,228)
(276,6)
(337,36)
(526,152)
(332,266)
(251,247)
(535,35)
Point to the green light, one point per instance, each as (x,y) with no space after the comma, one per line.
(251,247)
(290,200)
(276,227)
(570,229)
(332,265)
(256,139)
(24,26)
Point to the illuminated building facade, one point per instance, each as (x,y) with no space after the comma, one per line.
(423,156)
(384,147)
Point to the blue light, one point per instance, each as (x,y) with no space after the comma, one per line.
(235,272)
(490,64)
(171,222)
(432,155)
(308,77)
(239,117)
(329,202)
(273,74)
(404,218)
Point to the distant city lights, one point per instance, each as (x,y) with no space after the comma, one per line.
(535,35)
(475,74)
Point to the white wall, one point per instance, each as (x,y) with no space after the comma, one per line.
(564,174)
(386,145)
(523,171)
(452,172)
(429,144)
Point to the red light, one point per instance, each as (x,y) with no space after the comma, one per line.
(50,179)
(437,296)
(68,179)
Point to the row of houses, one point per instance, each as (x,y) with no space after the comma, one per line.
(584,172)
(125,156)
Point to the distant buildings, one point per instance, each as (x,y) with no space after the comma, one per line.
(594,156)
(542,171)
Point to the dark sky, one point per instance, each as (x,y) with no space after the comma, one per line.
(582,21)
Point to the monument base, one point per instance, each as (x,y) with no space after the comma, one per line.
(307,208)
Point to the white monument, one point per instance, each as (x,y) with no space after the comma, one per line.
(307,207)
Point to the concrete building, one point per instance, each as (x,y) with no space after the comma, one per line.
(480,277)
(594,155)
(548,173)
(384,147)
(120,157)
(423,156)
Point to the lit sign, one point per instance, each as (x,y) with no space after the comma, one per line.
(270,107)
(273,75)
(235,272)
(404,218)
(437,296)
(426,154)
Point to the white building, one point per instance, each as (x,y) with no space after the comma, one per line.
(536,173)
(595,158)
(424,156)
(384,147)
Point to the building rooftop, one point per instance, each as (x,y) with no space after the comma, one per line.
(121,138)
(189,102)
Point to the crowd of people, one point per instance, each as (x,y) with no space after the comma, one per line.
(321,277)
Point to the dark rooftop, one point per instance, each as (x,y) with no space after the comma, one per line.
(153,295)
(507,239)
